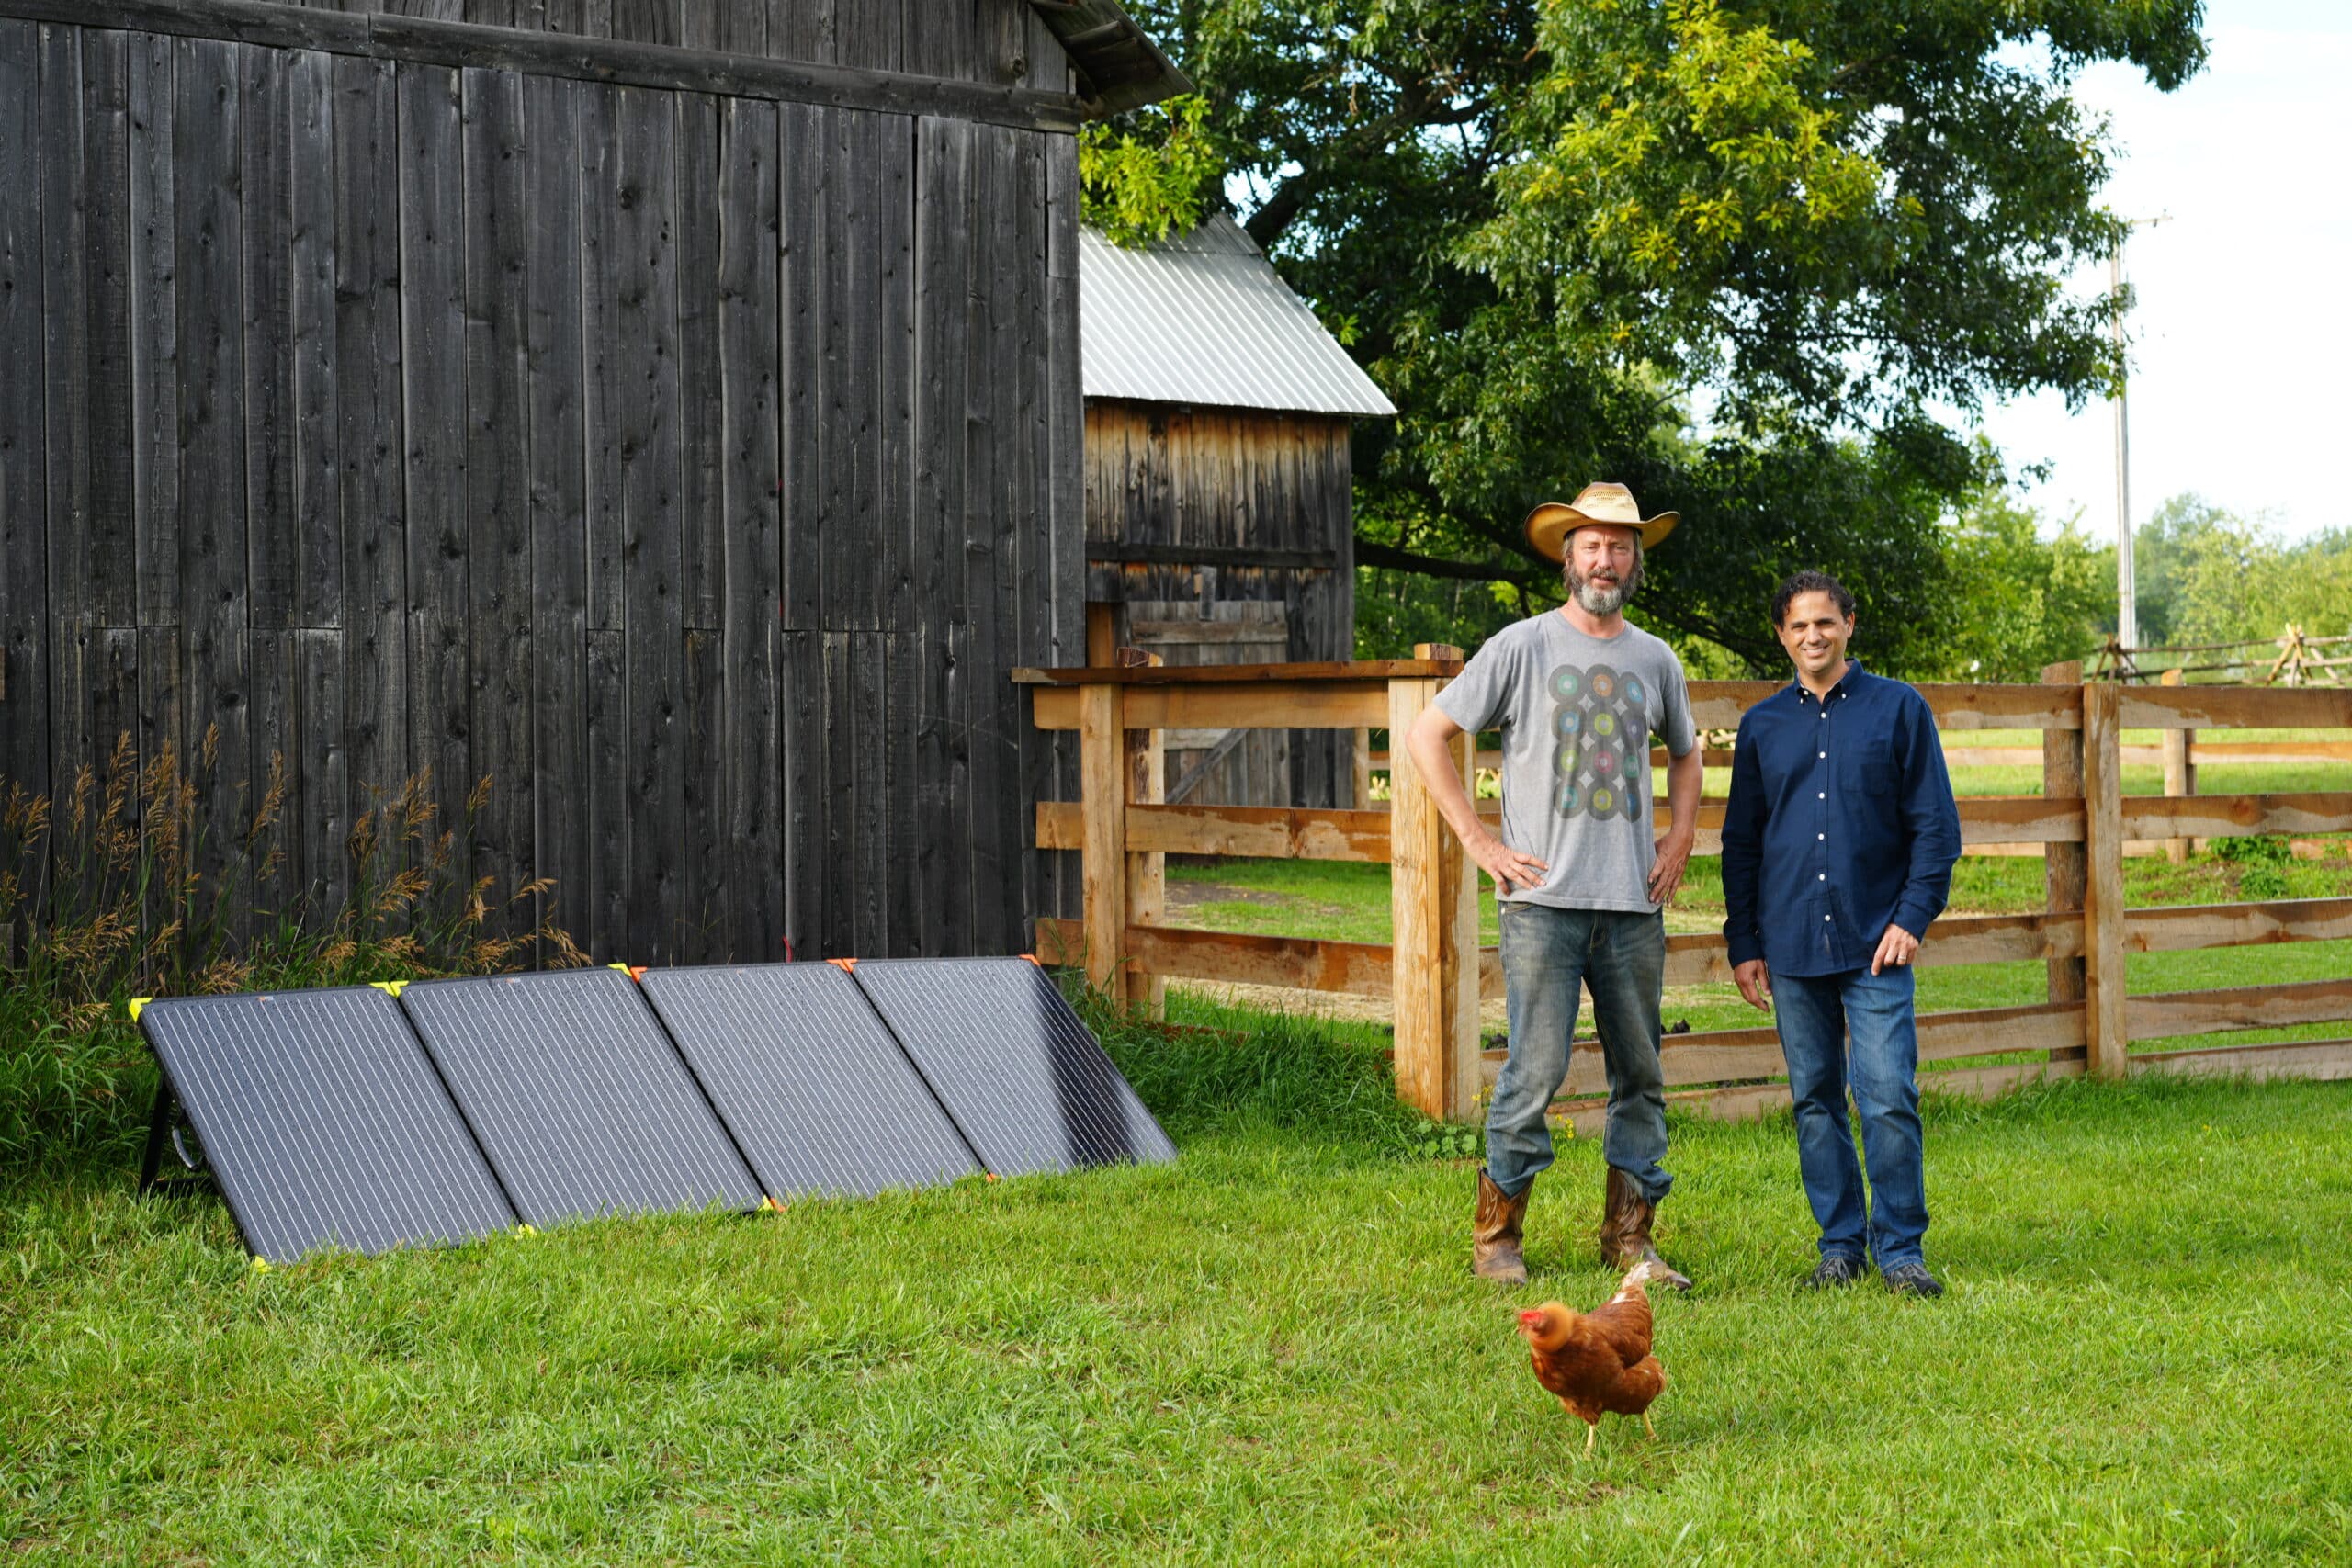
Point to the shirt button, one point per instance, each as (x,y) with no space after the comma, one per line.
(1822,796)
(1821,876)
(1825,919)
(1821,753)
(1821,835)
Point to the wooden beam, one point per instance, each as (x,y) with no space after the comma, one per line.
(2321,1059)
(569,55)
(1311,833)
(1427,898)
(2237,707)
(2181,773)
(2066,867)
(1278,705)
(1717,705)
(1146,766)
(1103,858)
(2105,1032)
(2236,815)
(1747,1102)
(2190,926)
(2238,1006)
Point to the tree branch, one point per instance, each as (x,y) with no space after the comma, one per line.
(1371,552)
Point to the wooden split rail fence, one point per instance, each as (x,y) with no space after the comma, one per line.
(1435,973)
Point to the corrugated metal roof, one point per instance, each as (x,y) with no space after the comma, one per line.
(1204,319)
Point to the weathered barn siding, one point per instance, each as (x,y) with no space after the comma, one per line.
(696,466)
(1212,505)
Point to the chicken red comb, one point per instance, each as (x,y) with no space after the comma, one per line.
(1532,1316)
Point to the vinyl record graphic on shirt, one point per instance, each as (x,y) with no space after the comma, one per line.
(1601,742)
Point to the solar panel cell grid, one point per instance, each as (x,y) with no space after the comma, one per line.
(814,1088)
(1026,1082)
(577,1095)
(323,1121)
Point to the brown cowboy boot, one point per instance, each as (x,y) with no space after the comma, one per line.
(1495,1233)
(1625,1231)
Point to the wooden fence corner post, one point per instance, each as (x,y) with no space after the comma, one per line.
(1146,767)
(2066,866)
(1103,851)
(1434,953)
(2105,1032)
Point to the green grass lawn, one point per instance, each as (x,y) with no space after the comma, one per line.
(1271,1350)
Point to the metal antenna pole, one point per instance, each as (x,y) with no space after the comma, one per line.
(2127,594)
(2127,598)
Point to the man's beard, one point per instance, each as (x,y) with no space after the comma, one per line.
(1597,599)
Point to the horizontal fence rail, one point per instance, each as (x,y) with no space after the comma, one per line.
(1435,975)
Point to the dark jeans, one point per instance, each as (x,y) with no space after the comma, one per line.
(1548,954)
(1857,1029)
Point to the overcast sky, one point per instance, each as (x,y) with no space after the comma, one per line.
(2242,334)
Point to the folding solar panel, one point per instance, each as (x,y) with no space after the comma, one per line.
(1028,1086)
(814,1088)
(323,1120)
(577,1096)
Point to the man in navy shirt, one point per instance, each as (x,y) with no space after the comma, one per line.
(1839,842)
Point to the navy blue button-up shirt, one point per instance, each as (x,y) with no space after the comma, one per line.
(1840,824)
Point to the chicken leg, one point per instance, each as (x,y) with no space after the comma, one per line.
(1646,1424)
(1590,1433)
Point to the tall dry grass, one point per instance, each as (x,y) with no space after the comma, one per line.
(111,891)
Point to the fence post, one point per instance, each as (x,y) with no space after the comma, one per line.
(2180,768)
(1433,898)
(2066,866)
(2105,1035)
(1146,767)
(1103,851)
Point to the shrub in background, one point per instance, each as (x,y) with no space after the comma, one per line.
(104,895)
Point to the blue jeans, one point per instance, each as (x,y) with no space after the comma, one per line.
(1548,954)
(1857,1027)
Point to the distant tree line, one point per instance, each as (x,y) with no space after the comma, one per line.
(2013,593)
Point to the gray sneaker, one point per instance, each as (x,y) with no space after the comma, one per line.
(1912,1280)
(1835,1270)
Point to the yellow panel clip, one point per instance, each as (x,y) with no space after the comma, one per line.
(261,1265)
(389,987)
(138,1006)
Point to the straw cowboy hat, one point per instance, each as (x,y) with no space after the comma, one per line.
(1549,525)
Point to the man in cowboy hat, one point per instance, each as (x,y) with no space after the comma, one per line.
(1579,881)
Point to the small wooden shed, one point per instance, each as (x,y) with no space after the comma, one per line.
(1219,516)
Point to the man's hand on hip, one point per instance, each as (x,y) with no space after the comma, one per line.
(1510,869)
(1755,983)
(1894,949)
(1665,873)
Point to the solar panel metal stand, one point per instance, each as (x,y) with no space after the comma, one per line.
(162,1129)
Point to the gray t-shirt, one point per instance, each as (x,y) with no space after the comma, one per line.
(1577,714)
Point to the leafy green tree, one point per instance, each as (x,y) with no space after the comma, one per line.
(1731,252)
(2026,602)
(2207,575)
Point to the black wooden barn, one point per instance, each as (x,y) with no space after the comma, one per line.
(1220,525)
(669,409)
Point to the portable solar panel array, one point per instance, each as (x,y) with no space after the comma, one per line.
(365,1118)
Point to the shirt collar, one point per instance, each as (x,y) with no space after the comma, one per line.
(1853,678)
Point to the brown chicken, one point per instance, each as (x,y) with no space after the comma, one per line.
(1600,1359)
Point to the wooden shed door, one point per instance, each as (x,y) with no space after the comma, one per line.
(1219,767)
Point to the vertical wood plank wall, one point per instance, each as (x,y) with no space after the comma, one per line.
(1235,480)
(693,467)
